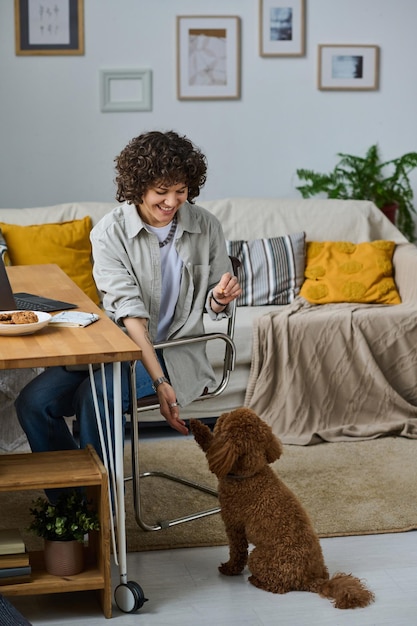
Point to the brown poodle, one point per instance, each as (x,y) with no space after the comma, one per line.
(258,509)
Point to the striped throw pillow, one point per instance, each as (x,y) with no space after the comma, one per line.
(3,250)
(272,270)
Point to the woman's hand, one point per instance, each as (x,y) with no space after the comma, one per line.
(169,408)
(227,290)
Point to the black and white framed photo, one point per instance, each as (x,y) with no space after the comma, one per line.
(49,27)
(348,67)
(281,28)
(208,57)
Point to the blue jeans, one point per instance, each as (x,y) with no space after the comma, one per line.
(57,393)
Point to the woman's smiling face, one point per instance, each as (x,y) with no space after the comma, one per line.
(160,203)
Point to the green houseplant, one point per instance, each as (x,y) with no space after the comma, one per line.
(63,527)
(368,178)
(67,520)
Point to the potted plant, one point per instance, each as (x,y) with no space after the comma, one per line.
(385,183)
(63,527)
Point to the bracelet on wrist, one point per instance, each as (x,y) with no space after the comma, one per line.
(217,302)
(159,381)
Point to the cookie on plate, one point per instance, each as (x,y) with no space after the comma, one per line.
(24,317)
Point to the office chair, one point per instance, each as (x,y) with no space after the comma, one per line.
(151,402)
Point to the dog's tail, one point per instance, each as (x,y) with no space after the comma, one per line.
(346,591)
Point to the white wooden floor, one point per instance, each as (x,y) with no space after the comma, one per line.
(184,588)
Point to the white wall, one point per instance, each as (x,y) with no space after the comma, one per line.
(57,146)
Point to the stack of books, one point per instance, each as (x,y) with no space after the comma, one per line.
(14,558)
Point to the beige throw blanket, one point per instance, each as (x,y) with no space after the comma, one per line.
(336,372)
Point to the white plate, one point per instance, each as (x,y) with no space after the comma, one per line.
(25,329)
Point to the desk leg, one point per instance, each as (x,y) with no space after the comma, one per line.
(114,466)
(128,594)
(119,471)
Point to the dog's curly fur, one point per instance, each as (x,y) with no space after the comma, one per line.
(259,509)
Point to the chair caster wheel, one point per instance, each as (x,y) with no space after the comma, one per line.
(129,597)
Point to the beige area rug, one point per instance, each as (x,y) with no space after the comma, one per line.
(353,488)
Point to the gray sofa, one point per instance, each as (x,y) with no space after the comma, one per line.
(242,219)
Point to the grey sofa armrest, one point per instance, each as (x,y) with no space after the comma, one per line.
(405,272)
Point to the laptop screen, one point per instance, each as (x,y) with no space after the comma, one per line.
(7,301)
(26,301)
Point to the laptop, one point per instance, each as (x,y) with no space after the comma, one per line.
(10,301)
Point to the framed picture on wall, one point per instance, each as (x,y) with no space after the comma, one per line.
(208,57)
(49,27)
(125,90)
(281,28)
(351,67)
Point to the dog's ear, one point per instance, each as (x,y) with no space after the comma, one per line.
(273,447)
(222,456)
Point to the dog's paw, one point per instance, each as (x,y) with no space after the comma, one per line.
(193,423)
(228,569)
(202,433)
(196,426)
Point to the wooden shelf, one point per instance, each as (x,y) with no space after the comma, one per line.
(69,468)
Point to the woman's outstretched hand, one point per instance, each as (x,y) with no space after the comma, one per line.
(169,409)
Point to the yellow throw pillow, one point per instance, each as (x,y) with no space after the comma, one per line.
(67,244)
(341,271)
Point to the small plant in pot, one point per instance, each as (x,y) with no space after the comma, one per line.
(386,183)
(63,527)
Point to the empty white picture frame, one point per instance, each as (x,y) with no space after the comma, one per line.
(125,90)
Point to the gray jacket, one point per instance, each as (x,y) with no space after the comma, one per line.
(127,271)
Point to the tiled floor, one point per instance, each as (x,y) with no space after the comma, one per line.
(184,588)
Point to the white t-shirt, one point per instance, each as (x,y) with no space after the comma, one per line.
(171,266)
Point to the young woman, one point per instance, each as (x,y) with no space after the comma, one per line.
(160,262)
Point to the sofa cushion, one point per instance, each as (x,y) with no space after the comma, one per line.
(341,271)
(67,244)
(272,270)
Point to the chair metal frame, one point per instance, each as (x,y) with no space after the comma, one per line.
(151,402)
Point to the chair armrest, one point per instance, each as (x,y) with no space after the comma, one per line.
(151,402)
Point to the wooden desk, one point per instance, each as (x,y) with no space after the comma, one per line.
(101,342)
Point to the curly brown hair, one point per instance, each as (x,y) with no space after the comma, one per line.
(156,158)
